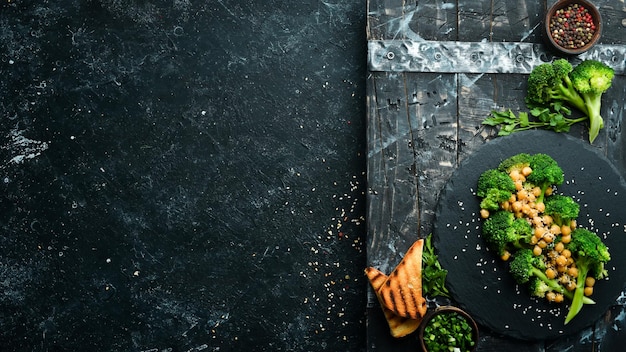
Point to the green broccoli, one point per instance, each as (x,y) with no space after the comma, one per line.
(549,85)
(562,209)
(590,254)
(505,233)
(591,79)
(538,288)
(546,173)
(526,267)
(515,162)
(494,187)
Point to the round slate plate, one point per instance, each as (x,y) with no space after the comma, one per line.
(480,282)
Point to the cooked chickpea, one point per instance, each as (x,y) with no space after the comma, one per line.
(566,230)
(547,220)
(536,191)
(550,273)
(537,250)
(558,298)
(559,247)
(540,206)
(588,291)
(551,296)
(590,281)
(571,286)
(566,239)
(566,253)
(549,191)
(484,213)
(505,256)
(526,171)
(555,229)
(573,272)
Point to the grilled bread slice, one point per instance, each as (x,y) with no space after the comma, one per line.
(398,326)
(402,291)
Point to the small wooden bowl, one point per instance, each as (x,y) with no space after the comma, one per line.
(595,16)
(447,310)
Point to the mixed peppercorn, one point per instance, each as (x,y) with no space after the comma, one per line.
(572,27)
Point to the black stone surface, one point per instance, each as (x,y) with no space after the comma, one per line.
(182,175)
(480,282)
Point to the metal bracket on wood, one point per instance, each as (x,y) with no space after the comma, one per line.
(476,57)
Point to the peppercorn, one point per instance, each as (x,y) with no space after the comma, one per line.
(572,27)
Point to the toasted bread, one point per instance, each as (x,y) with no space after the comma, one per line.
(402,291)
(398,326)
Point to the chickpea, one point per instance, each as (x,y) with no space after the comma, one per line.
(547,220)
(517,206)
(558,298)
(537,250)
(526,171)
(539,231)
(561,260)
(566,253)
(566,230)
(573,224)
(550,273)
(566,239)
(484,213)
(573,272)
(551,296)
(590,281)
(540,206)
(548,237)
(559,247)
(588,291)
(549,191)
(505,256)
(522,195)
(571,286)
(555,229)
(536,191)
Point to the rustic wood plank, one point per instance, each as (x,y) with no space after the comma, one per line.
(514,21)
(433,113)
(393,186)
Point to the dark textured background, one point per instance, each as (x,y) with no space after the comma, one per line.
(182,175)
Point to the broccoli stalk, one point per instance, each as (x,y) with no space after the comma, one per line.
(590,255)
(526,267)
(591,79)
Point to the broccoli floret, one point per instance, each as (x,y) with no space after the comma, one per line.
(494,187)
(538,287)
(591,79)
(526,267)
(549,85)
(505,233)
(493,178)
(562,209)
(494,198)
(590,255)
(546,173)
(515,162)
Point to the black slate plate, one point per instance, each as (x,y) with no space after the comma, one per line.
(480,282)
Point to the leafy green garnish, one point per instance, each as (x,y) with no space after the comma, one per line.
(543,118)
(433,275)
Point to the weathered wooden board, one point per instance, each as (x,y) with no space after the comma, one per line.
(424,118)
